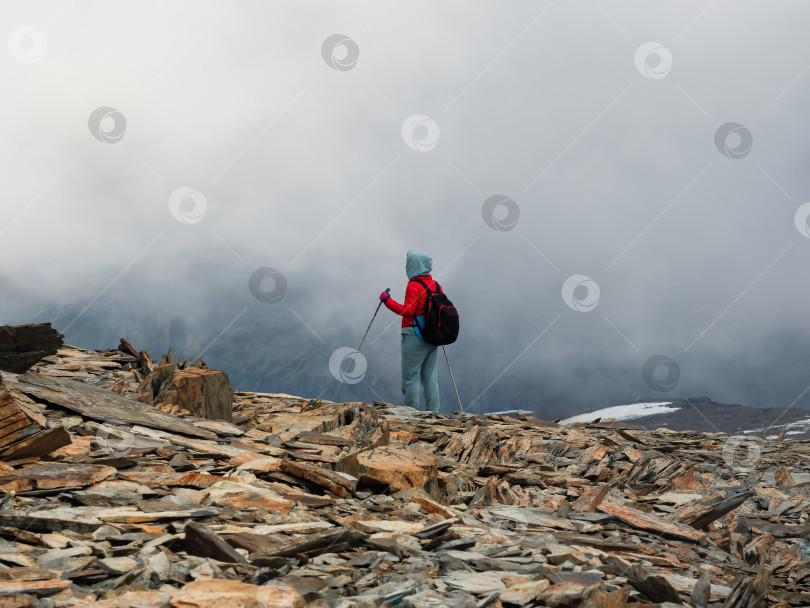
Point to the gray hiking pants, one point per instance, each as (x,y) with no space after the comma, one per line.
(419,366)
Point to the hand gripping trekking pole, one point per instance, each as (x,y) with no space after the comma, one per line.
(451,378)
(342,374)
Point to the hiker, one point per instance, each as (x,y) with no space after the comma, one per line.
(419,359)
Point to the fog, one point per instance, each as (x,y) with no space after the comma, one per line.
(236,136)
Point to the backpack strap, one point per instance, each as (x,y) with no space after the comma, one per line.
(429,292)
(423,284)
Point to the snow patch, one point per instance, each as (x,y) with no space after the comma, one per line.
(503,412)
(798,427)
(625,412)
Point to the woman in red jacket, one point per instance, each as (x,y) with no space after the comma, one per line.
(419,359)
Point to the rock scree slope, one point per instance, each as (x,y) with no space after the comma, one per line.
(126,482)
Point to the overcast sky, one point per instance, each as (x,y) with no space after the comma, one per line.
(156,154)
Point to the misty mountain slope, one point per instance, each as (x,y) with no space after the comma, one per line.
(270,348)
(704,415)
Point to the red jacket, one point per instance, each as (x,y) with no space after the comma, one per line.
(415,296)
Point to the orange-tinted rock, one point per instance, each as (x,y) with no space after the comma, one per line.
(400,466)
(54,475)
(223,593)
(202,392)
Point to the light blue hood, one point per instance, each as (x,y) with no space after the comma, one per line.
(418,264)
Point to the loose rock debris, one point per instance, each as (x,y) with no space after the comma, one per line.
(131,501)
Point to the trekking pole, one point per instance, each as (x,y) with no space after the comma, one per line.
(342,374)
(451,378)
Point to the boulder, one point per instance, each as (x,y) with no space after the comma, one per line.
(199,391)
(21,346)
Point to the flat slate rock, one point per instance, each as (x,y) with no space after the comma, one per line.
(42,588)
(101,404)
(40,444)
(47,522)
(51,475)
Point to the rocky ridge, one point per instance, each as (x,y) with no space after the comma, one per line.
(116,490)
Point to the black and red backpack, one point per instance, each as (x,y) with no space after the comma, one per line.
(441,317)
